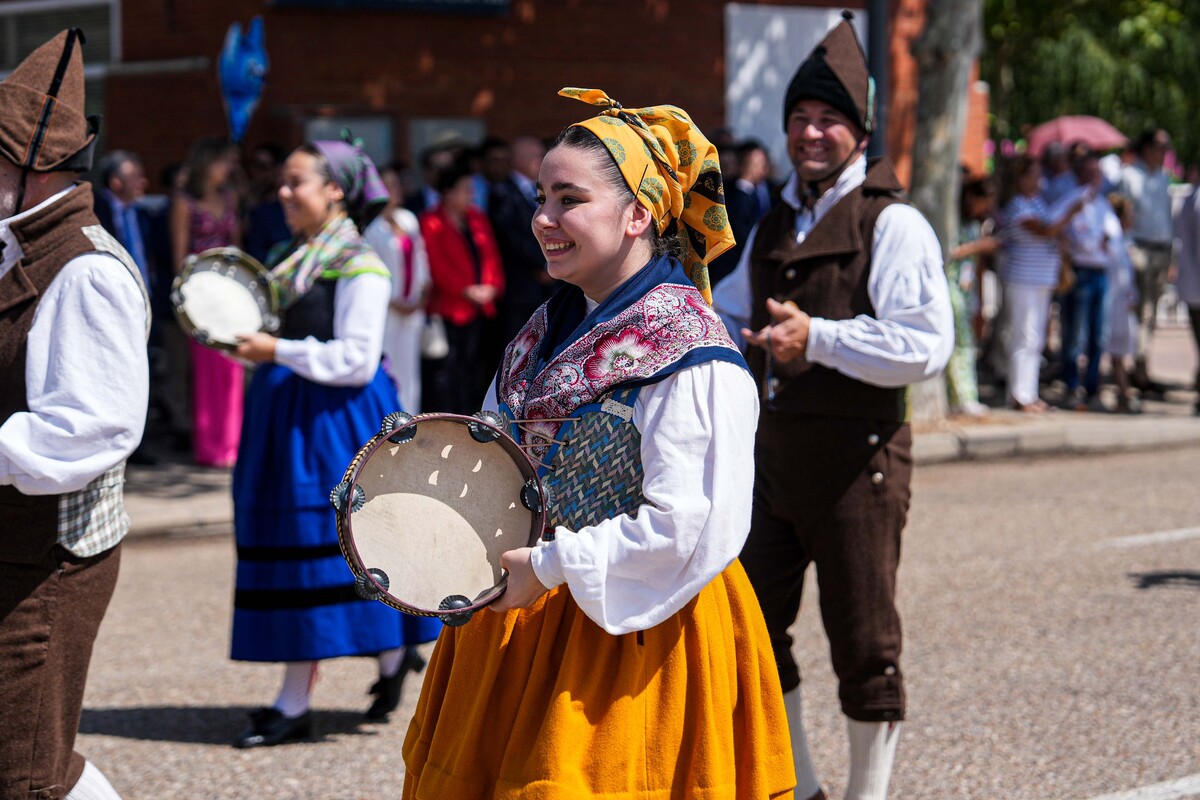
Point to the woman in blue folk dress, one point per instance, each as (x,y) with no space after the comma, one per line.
(318,395)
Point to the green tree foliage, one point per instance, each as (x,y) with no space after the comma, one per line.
(1135,63)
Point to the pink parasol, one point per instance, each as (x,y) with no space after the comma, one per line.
(1092,131)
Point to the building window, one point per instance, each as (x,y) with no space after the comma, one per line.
(375,133)
(25,25)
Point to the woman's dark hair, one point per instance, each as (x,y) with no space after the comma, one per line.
(361,214)
(1147,138)
(1017,168)
(665,244)
(448,177)
(973,189)
(204,153)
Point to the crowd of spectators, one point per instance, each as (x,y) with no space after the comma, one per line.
(1057,276)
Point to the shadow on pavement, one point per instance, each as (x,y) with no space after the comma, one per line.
(176,480)
(201,725)
(1166,578)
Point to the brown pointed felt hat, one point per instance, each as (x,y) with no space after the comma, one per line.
(836,73)
(43,127)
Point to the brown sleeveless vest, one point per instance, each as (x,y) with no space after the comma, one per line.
(825,276)
(49,239)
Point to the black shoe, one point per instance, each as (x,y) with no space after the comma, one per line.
(269,726)
(387,690)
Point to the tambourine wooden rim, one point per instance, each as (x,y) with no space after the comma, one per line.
(348,497)
(229,255)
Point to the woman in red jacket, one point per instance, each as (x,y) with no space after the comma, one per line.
(468,278)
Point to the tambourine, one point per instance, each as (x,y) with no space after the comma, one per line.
(221,293)
(427,507)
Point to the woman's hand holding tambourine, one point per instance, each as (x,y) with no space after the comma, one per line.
(256,347)
(524,587)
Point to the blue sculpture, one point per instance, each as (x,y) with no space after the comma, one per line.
(242,71)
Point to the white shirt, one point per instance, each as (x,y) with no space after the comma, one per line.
(351,357)
(1150,192)
(911,336)
(1187,231)
(86,374)
(1087,234)
(629,573)
(382,238)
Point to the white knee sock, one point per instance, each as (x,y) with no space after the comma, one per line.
(872,751)
(92,785)
(807,784)
(389,662)
(298,680)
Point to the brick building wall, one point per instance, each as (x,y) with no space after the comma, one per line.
(402,65)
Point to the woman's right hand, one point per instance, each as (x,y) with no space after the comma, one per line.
(480,293)
(258,348)
(524,586)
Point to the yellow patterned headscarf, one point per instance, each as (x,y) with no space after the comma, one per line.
(673,171)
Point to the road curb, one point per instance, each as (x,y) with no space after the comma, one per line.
(1050,438)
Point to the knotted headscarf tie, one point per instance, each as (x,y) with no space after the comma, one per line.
(672,170)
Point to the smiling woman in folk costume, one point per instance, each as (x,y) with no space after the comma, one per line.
(628,657)
(317,395)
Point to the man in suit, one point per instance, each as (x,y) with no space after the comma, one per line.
(144,237)
(124,182)
(511,207)
(747,199)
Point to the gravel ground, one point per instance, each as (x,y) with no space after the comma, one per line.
(1041,661)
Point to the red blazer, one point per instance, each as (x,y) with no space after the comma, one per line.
(452,268)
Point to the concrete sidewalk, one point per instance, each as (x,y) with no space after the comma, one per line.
(178,499)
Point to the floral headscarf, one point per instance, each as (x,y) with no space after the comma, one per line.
(673,171)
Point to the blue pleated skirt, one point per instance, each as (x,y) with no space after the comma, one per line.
(295,598)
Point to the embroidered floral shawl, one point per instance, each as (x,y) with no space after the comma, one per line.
(652,326)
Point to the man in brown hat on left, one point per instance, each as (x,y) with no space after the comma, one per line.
(73,324)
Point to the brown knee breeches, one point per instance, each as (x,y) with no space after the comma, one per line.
(834,492)
(50,613)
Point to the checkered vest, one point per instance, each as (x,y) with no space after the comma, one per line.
(93,519)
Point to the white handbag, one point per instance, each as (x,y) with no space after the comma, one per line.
(434,343)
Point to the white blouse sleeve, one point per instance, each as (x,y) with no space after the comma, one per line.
(86,378)
(911,336)
(631,573)
(351,357)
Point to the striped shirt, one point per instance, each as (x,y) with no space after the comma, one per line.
(1030,259)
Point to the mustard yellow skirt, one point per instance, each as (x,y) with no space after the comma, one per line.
(542,704)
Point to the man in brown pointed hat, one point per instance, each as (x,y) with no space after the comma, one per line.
(73,324)
(841,296)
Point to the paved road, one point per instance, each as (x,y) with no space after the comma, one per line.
(1049,655)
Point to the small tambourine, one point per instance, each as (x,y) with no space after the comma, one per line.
(224,292)
(427,507)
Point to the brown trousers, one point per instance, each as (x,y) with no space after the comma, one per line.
(50,614)
(834,492)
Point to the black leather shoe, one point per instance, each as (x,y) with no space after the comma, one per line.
(387,690)
(268,726)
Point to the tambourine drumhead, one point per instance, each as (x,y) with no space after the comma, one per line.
(222,293)
(438,508)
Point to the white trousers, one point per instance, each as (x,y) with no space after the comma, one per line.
(1029,311)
